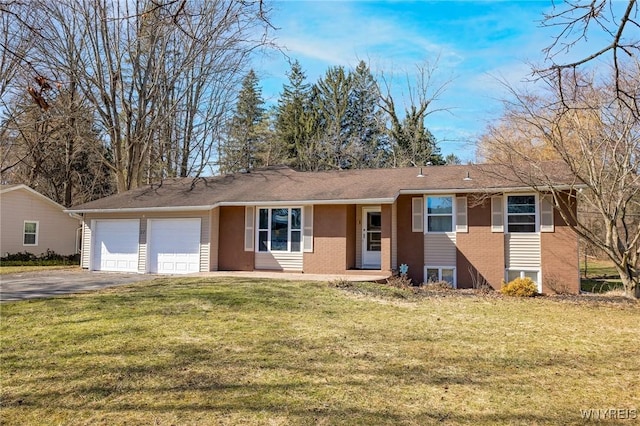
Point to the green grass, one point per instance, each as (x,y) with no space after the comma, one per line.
(598,268)
(602,277)
(239,351)
(4,270)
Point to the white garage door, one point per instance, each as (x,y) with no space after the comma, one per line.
(174,246)
(115,245)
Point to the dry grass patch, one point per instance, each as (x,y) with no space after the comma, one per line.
(240,351)
(4,270)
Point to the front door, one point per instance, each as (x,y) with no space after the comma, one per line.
(371,237)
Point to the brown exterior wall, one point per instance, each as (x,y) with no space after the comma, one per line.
(330,240)
(231,254)
(410,244)
(560,271)
(480,252)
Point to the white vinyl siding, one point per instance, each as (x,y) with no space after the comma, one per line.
(85,252)
(394,236)
(461,214)
(440,249)
(279,261)
(308,229)
(214,223)
(358,238)
(205,243)
(248,228)
(522,251)
(497,215)
(546,214)
(417,214)
(143,246)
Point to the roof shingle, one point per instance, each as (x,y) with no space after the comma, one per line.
(282,184)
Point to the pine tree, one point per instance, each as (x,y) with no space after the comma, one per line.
(365,120)
(295,122)
(334,102)
(245,135)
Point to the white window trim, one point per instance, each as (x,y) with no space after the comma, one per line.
(258,229)
(440,268)
(536,203)
(37,222)
(522,271)
(426,213)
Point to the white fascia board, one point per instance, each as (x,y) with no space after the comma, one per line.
(232,204)
(488,190)
(144,209)
(308,202)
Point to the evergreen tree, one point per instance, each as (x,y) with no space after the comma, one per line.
(245,136)
(295,122)
(365,120)
(334,101)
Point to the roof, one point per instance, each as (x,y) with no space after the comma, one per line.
(282,185)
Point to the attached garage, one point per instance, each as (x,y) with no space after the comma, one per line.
(174,246)
(115,245)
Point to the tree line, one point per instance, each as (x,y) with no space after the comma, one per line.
(99,97)
(343,121)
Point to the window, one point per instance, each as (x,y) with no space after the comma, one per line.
(439,214)
(436,274)
(280,229)
(30,234)
(521,213)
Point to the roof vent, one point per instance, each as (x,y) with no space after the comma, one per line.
(467,177)
(420,175)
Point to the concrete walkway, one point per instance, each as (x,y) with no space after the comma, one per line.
(357,276)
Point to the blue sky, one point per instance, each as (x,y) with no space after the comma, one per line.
(474,43)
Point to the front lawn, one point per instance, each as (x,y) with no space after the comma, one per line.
(247,351)
(4,270)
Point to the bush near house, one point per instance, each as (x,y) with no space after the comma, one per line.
(520,287)
(49,258)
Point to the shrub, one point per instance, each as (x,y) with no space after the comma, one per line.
(399,281)
(520,287)
(438,285)
(50,258)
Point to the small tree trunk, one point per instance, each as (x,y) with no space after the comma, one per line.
(629,282)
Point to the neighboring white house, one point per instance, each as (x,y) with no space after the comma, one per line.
(31,222)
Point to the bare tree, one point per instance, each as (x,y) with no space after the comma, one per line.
(159,75)
(412,143)
(592,133)
(575,22)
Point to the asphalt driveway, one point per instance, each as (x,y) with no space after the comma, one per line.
(37,285)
